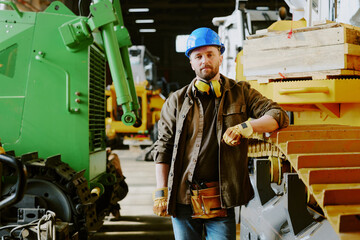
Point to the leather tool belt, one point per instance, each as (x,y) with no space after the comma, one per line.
(205,200)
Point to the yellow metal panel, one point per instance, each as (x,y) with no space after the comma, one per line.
(122,128)
(311,91)
(334,175)
(323,146)
(239,67)
(306,134)
(342,196)
(265,89)
(317,91)
(334,214)
(349,115)
(287,24)
(156,102)
(349,223)
(329,160)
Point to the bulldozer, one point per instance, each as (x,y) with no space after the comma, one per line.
(56,179)
(306,177)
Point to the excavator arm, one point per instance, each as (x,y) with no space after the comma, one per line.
(106,19)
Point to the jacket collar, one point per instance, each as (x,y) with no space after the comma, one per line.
(190,89)
(227,83)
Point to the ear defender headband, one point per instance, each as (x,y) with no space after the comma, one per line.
(209,88)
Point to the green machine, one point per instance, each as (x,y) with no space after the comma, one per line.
(53,109)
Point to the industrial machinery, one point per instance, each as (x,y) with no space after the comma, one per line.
(306,177)
(53,109)
(150,95)
(234,29)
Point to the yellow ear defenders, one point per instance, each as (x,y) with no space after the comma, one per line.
(212,87)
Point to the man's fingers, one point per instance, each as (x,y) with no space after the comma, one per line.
(160,207)
(231,137)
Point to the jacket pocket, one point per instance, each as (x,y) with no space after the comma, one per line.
(234,114)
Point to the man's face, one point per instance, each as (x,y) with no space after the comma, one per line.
(205,61)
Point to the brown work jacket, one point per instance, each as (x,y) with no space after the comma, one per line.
(238,103)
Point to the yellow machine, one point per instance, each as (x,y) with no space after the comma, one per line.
(306,177)
(150,106)
(143,65)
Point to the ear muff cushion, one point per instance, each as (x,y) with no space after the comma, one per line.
(214,87)
(203,86)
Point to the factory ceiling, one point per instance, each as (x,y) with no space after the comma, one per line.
(171,18)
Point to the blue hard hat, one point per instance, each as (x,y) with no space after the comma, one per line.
(203,37)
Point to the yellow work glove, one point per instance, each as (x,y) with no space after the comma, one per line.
(160,197)
(233,134)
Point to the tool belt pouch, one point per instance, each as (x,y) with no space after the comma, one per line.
(206,202)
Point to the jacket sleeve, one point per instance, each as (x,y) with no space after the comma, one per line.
(166,131)
(259,105)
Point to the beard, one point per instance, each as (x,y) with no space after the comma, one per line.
(207,74)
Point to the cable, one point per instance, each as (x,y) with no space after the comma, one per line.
(33,223)
(9,226)
(80,8)
(49,216)
(50,230)
(91,2)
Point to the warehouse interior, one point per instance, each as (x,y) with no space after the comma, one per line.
(82,88)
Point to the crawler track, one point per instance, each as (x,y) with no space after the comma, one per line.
(64,191)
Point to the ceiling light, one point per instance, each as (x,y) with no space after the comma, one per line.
(144,20)
(138,9)
(149,30)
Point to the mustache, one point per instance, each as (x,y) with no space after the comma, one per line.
(206,66)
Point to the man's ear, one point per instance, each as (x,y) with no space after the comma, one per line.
(221,59)
(191,65)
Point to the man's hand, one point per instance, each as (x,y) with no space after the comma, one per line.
(160,196)
(233,135)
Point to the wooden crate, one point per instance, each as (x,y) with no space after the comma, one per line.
(319,51)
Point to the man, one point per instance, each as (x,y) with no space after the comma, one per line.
(202,139)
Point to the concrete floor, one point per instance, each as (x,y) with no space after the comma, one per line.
(138,220)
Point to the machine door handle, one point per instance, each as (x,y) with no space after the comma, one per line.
(20,183)
(286,91)
(13,7)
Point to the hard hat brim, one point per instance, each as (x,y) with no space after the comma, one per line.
(222,48)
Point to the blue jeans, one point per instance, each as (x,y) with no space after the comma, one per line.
(186,228)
